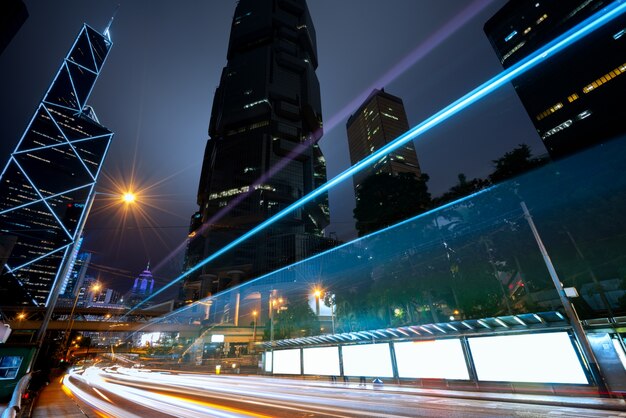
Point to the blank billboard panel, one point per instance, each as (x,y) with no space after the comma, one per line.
(437,359)
(322,361)
(268,361)
(367,360)
(287,361)
(532,358)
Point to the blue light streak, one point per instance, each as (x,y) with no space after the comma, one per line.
(510,36)
(587,26)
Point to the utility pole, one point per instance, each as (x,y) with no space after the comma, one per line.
(577,327)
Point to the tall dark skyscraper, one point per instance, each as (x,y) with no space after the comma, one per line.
(380,120)
(13,14)
(48,184)
(262,154)
(575,99)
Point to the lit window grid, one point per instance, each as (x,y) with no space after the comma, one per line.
(48,108)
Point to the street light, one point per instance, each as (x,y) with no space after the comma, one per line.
(94,288)
(274,304)
(317,293)
(56,290)
(254,314)
(129,197)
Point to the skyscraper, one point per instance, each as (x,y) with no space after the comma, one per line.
(380,120)
(142,288)
(262,154)
(575,98)
(48,184)
(13,14)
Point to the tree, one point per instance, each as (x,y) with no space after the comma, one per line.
(384,199)
(462,189)
(514,163)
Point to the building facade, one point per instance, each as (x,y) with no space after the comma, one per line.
(48,183)
(262,154)
(143,286)
(575,98)
(377,122)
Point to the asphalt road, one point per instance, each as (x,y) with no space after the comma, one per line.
(123,392)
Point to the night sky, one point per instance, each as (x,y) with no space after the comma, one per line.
(157,86)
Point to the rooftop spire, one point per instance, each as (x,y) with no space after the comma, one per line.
(106,30)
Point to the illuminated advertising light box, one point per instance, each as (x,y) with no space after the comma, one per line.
(321,361)
(531,358)
(287,361)
(436,359)
(367,360)
(268,361)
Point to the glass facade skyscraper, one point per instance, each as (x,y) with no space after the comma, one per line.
(48,184)
(262,154)
(380,120)
(575,98)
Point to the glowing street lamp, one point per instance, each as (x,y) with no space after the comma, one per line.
(254,315)
(94,288)
(317,293)
(129,197)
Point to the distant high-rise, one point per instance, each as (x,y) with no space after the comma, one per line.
(142,288)
(380,120)
(575,99)
(48,183)
(262,154)
(13,14)
(76,275)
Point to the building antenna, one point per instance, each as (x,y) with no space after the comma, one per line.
(106,30)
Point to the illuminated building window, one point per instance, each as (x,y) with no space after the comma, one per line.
(528,29)
(604,79)
(550,111)
(542,18)
(389,116)
(510,36)
(513,51)
(558,128)
(572,97)
(258,102)
(259,124)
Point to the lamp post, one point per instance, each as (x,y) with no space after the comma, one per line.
(317,293)
(254,314)
(274,305)
(570,312)
(128,198)
(68,330)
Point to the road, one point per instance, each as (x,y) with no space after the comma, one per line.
(123,392)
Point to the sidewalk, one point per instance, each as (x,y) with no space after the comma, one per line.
(53,402)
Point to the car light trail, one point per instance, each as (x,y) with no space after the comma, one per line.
(573,35)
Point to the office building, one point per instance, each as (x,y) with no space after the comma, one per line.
(377,122)
(575,97)
(262,154)
(143,286)
(48,183)
(76,275)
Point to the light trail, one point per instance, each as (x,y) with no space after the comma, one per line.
(570,37)
(197,395)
